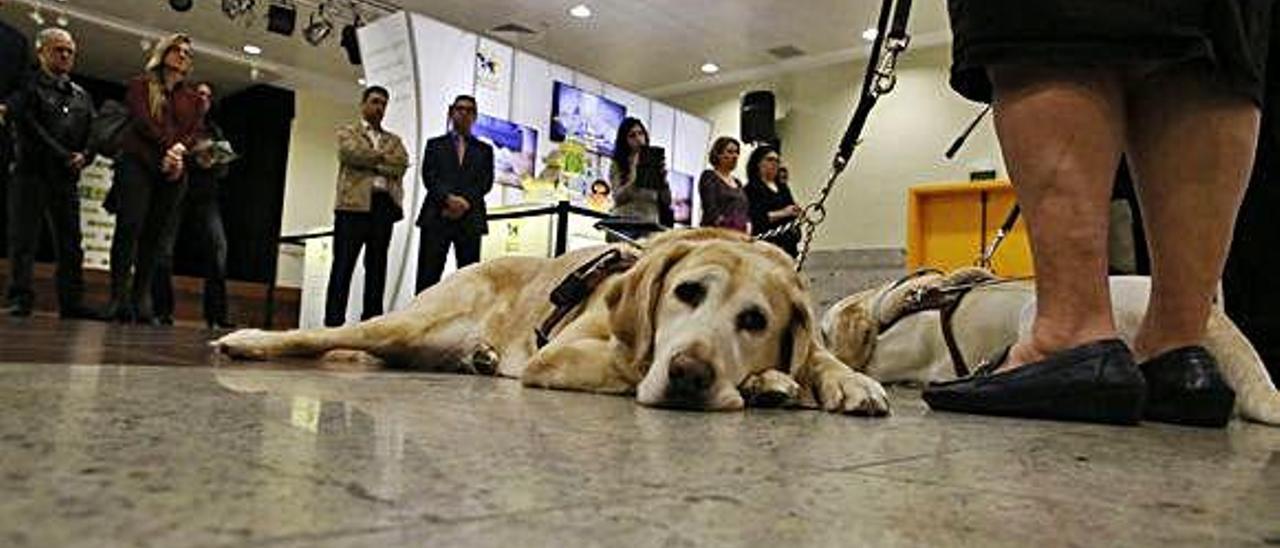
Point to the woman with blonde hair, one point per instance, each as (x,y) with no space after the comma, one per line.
(150,173)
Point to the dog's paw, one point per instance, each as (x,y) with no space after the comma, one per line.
(772,388)
(245,344)
(852,392)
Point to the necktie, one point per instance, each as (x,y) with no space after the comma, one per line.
(462,148)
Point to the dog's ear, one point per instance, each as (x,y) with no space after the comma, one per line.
(800,340)
(633,301)
(807,355)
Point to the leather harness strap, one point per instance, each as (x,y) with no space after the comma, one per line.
(945,300)
(579,284)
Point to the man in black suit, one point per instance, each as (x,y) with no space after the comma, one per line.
(457,170)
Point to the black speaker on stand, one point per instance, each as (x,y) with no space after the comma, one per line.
(757,117)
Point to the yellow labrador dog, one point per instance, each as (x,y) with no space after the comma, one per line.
(880,332)
(705,319)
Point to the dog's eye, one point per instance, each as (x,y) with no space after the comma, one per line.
(752,320)
(691,293)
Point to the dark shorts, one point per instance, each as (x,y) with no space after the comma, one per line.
(1230,37)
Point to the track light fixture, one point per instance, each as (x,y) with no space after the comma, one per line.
(319,27)
(350,42)
(233,9)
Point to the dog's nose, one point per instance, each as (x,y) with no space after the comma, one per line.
(690,375)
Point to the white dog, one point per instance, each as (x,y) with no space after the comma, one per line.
(879,332)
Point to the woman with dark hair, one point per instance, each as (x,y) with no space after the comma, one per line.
(151,172)
(630,199)
(724,203)
(769,198)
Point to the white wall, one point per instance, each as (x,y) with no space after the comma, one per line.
(312,173)
(903,142)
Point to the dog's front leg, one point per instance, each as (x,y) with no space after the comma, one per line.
(771,388)
(837,388)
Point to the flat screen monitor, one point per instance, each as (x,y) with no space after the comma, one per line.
(681,196)
(586,117)
(515,148)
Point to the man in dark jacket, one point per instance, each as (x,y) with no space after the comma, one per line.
(457,170)
(15,60)
(52,116)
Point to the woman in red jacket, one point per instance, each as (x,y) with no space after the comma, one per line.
(151,172)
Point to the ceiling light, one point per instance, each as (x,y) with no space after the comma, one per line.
(235,8)
(581,11)
(181,5)
(318,28)
(710,68)
(282,17)
(36,16)
(252,49)
(870,34)
(361,81)
(62,20)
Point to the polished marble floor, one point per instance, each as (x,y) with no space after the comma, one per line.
(126,436)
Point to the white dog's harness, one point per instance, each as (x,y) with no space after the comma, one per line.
(579,284)
(944,297)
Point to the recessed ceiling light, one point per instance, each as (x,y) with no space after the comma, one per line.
(710,68)
(361,81)
(581,11)
(870,34)
(252,49)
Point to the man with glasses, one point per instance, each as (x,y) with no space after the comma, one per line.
(457,170)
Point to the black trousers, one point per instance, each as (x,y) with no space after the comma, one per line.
(35,199)
(147,216)
(433,251)
(201,212)
(352,231)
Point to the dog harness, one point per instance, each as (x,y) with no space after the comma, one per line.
(945,298)
(579,284)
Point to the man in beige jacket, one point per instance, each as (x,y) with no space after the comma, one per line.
(372,163)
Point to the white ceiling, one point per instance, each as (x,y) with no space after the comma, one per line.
(652,46)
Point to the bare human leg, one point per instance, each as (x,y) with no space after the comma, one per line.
(1062,132)
(1191,148)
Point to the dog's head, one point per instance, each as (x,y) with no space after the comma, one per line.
(849,328)
(705,309)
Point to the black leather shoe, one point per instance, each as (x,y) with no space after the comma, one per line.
(163,319)
(1093,382)
(20,310)
(1185,387)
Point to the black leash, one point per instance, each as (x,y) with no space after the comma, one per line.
(891,40)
